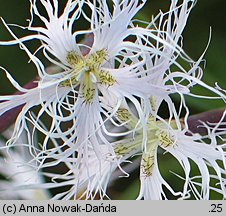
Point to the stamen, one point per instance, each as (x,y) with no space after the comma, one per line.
(97,58)
(106,79)
(165,139)
(87,68)
(123,115)
(148,162)
(128,148)
(74,59)
(88,88)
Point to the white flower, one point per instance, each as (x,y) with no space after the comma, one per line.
(127,73)
(207,152)
(185,148)
(151,184)
(93,177)
(18,172)
(74,97)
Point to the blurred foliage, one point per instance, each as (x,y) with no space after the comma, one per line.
(206,14)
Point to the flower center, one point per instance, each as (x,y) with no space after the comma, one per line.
(87,73)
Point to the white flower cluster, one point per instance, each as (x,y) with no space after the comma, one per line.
(102,105)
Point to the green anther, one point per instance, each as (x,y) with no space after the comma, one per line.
(165,139)
(106,79)
(74,59)
(123,115)
(123,149)
(148,159)
(77,62)
(97,58)
(70,82)
(85,68)
(88,88)
(147,164)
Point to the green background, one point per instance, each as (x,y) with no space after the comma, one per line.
(206,14)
